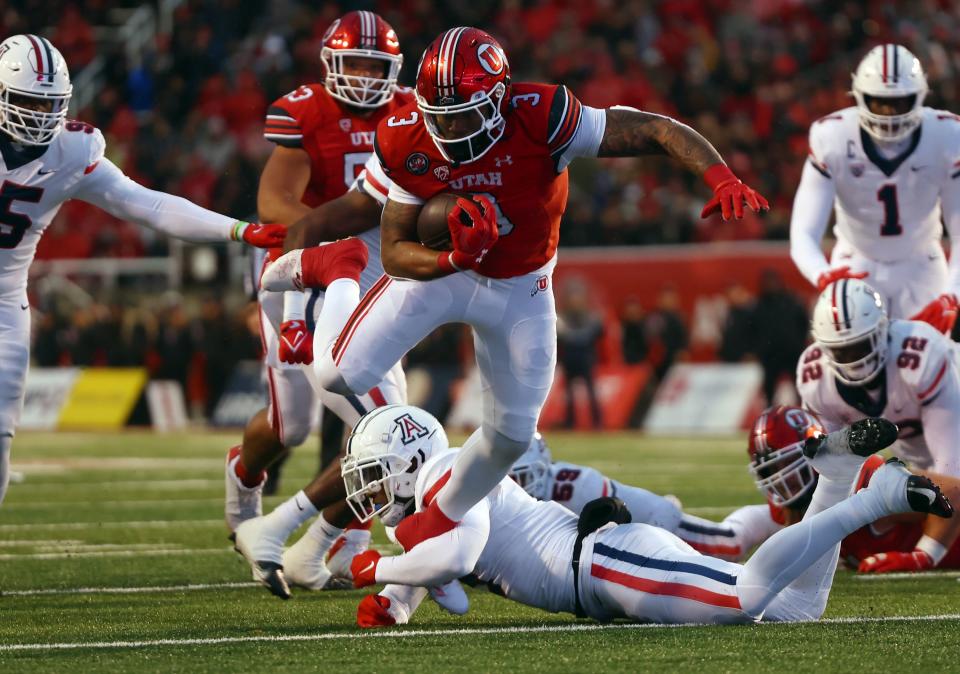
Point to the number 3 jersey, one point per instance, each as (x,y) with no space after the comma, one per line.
(918,389)
(338,140)
(887,207)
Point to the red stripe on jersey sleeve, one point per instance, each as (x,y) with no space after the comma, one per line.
(936,382)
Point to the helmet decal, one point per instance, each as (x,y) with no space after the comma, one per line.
(490,58)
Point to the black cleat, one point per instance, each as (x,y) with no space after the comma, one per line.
(863,438)
(270,575)
(925,497)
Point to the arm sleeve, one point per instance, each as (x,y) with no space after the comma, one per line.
(808,222)
(950,203)
(108,188)
(373,180)
(443,558)
(573,129)
(941,422)
(282,127)
(404,601)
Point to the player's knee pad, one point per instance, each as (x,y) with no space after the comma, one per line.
(329,377)
(294,431)
(508,448)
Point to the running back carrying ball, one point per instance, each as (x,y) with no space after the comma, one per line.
(432,228)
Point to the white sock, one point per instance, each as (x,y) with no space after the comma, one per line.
(5,442)
(323,533)
(293,512)
(482,463)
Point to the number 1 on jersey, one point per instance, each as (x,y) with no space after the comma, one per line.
(891,211)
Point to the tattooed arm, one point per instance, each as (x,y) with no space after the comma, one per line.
(630,133)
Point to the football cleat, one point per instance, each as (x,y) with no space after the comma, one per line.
(348,546)
(264,552)
(863,438)
(902,491)
(242,503)
(303,566)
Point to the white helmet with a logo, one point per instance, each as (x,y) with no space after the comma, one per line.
(35,89)
(890,71)
(385,452)
(532,470)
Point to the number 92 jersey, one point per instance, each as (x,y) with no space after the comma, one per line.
(919,391)
(338,140)
(34,183)
(887,208)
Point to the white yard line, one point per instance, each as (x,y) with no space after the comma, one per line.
(407,634)
(129,484)
(155,551)
(128,590)
(908,575)
(159,524)
(128,503)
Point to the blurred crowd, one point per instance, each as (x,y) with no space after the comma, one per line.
(751,75)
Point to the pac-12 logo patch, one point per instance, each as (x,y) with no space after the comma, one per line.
(491,59)
(857,170)
(540,285)
(418,163)
(410,428)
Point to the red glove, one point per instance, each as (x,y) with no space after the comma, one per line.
(296,342)
(885,562)
(261,236)
(729,194)
(473,231)
(372,612)
(941,313)
(831,275)
(364,568)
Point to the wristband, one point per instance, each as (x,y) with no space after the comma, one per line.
(445,262)
(237,232)
(294,306)
(934,548)
(718,174)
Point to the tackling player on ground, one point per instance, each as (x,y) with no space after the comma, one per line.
(508,144)
(888,168)
(599,565)
(47,160)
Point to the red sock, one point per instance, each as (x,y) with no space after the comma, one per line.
(423,525)
(322,265)
(246,479)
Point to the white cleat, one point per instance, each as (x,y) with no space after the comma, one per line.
(303,565)
(242,503)
(902,492)
(345,548)
(451,597)
(263,550)
(285,273)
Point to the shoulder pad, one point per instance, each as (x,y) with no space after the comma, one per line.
(289,116)
(430,474)
(83,145)
(923,357)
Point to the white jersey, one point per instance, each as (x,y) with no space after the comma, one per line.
(887,208)
(919,391)
(37,181)
(527,545)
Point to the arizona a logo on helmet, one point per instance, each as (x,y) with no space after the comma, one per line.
(490,58)
(410,429)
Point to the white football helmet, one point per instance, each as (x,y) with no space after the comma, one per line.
(890,71)
(385,452)
(850,325)
(32,71)
(532,470)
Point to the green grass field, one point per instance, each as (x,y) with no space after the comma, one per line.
(100,543)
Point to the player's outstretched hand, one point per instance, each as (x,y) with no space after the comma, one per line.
(296,342)
(372,612)
(831,275)
(364,568)
(263,236)
(887,562)
(730,194)
(473,230)
(941,313)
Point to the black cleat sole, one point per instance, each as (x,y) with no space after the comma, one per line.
(869,436)
(273,579)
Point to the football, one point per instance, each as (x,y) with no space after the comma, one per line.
(432,229)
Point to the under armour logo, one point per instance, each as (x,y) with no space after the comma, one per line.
(500,161)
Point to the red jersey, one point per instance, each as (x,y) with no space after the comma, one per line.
(336,138)
(888,535)
(519,174)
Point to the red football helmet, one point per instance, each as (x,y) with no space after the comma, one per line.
(777,463)
(362,35)
(463,84)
